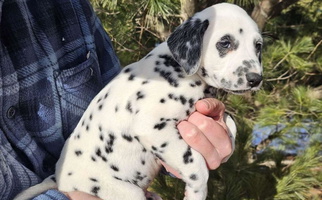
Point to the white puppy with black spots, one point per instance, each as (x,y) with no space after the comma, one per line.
(115,150)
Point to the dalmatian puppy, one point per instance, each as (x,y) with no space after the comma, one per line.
(130,126)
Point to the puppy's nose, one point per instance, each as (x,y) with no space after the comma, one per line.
(253,79)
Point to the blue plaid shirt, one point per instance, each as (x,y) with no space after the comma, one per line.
(54,58)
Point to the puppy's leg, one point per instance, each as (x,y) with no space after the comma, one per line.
(165,142)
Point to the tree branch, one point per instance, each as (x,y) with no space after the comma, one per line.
(268,9)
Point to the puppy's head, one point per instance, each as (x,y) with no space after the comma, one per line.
(223,45)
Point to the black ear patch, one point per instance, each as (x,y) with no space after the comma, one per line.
(185,43)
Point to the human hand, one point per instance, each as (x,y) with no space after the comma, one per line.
(206,132)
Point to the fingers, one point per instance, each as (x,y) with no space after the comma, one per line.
(211,107)
(214,131)
(198,141)
(206,132)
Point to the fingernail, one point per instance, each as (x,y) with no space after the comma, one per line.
(206,103)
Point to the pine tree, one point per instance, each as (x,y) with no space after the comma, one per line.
(279,141)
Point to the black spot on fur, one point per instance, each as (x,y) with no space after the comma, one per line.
(127,70)
(70,173)
(183,100)
(164,145)
(162,100)
(169,61)
(93,159)
(98,152)
(143,162)
(191,102)
(116,109)
(139,95)
(77,136)
(156,69)
(129,107)
(127,137)
(117,178)
(93,179)
(154,148)
(114,168)
(187,156)
(168,77)
(240,81)
(204,72)
(145,82)
(106,95)
(110,144)
(226,44)
(139,177)
(179,135)
(104,158)
(100,107)
(137,138)
(108,149)
(193,177)
(131,77)
(98,100)
(101,137)
(78,152)
(160,126)
(198,83)
(248,64)
(240,30)
(95,190)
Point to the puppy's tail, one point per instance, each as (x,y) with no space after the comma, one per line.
(47,184)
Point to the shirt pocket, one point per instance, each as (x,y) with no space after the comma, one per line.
(77,86)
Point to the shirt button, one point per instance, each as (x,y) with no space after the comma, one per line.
(11,112)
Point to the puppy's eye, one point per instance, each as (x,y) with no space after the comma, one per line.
(258,47)
(225,44)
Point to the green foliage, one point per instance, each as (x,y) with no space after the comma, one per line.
(299,180)
(134,26)
(289,103)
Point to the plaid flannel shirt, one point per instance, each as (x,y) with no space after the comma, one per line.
(54,58)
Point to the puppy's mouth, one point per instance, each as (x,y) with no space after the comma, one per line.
(241,91)
(238,92)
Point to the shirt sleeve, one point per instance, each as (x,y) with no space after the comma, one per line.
(51,195)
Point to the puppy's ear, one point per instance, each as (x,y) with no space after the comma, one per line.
(185,44)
